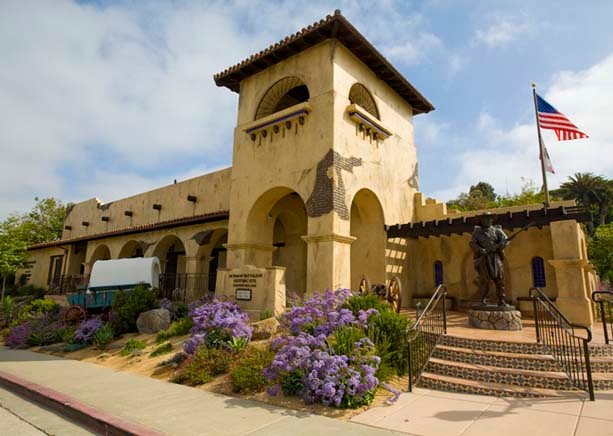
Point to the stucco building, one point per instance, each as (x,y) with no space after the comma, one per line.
(323,193)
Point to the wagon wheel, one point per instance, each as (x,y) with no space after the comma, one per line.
(364,287)
(393,294)
(74,315)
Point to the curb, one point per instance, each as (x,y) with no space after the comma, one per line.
(89,417)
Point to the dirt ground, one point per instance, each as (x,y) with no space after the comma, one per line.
(145,365)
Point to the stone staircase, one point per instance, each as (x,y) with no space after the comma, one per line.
(513,369)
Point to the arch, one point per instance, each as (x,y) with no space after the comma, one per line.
(278,219)
(131,249)
(101,252)
(217,258)
(171,252)
(538,272)
(367,225)
(360,95)
(438,273)
(285,93)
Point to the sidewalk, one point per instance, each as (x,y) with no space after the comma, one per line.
(434,413)
(158,407)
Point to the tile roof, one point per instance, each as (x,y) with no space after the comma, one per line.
(177,222)
(333,26)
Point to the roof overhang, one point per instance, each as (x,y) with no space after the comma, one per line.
(333,26)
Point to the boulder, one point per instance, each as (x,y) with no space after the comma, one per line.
(264,329)
(153,321)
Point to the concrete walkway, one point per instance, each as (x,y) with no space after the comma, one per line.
(156,407)
(434,413)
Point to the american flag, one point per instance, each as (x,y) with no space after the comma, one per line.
(550,118)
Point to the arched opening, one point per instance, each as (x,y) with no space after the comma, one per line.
(285,93)
(101,252)
(538,272)
(171,252)
(279,219)
(367,225)
(358,94)
(131,249)
(217,260)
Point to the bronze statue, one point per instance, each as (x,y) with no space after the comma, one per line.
(488,243)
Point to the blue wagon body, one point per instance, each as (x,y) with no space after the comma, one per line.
(96,298)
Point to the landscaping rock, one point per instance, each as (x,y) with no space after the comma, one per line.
(264,329)
(153,321)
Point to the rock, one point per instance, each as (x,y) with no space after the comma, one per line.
(264,329)
(153,321)
(136,353)
(495,319)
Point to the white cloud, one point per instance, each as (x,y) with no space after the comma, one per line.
(504,155)
(503,30)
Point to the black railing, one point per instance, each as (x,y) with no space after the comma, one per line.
(562,340)
(183,286)
(604,300)
(424,334)
(60,285)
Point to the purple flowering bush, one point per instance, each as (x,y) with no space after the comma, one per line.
(324,313)
(215,324)
(18,336)
(87,330)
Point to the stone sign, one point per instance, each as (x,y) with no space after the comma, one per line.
(254,289)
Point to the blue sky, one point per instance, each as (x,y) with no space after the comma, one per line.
(111,98)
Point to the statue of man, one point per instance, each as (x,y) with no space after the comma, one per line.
(488,242)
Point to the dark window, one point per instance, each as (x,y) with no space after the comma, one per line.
(538,272)
(438,273)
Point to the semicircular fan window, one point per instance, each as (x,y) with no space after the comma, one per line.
(287,92)
(358,94)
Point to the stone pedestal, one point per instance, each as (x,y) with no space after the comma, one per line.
(492,319)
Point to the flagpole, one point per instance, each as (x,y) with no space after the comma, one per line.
(542,152)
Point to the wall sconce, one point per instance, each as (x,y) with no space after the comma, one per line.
(105,219)
(128,213)
(192,198)
(85,223)
(157,206)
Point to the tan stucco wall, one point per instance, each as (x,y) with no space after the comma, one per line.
(212,192)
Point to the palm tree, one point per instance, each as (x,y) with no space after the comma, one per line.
(590,191)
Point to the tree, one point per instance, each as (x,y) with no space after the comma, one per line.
(595,193)
(13,248)
(486,190)
(600,250)
(44,223)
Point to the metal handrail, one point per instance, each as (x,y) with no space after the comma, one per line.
(425,333)
(183,286)
(559,336)
(609,313)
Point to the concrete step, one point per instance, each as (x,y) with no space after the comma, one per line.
(454,384)
(601,350)
(602,363)
(493,374)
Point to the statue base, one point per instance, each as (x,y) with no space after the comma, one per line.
(493,307)
(495,318)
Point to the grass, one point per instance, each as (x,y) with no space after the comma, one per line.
(162,349)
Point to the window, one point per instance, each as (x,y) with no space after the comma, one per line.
(287,92)
(538,272)
(358,94)
(438,273)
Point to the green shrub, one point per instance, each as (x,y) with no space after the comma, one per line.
(355,303)
(265,314)
(131,346)
(162,349)
(179,327)
(247,374)
(387,331)
(8,310)
(343,339)
(292,383)
(35,309)
(29,291)
(128,305)
(206,364)
(103,336)
(67,335)
(237,345)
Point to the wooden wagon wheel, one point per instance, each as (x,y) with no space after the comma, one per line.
(393,294)
(364,287)
(74,315)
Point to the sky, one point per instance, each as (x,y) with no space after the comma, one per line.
(111,98)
